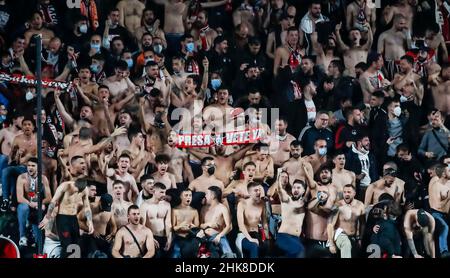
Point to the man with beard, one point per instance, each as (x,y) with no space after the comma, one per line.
(132,239)
(69,196)
(119,205)
(112,28)
(355,53)
(323,196)
(150,25)
(435,143)
(156,213)
(373,79)
(343,233)
(325,52)
(200,185)
(292,213)
(309,70)
(295,165)
(185,222)
(290,53)
(264,163)
(360,161)
(152,79)
(219,59)
(239,187)
(319,130)
(280,142)
(37,28)
(147,184)
(341,176)
(27,198)
(179,75)
(179,161)
(162,175)
(249,77)
(119,83)
(121,173)
(420,224)
(394,42)
(202,32)
(389,183)
(215,220)
(252,221)
(130,12)
(309,22)
(406,75)
(349,131)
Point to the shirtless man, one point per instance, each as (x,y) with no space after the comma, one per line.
(185,222)
(239,187)
(130,14)
(439,193)
(360,12)
(293,214)
(394,42)
(320,206)
(418,221)
(88,87)
(69,196)
(406,75)
(23,147)
(7,137)
(37,27)
(340,175)
(435,40)
(224,163)
(215,220)
(104,227)
(203,182)
(290,53)
(251,215)
(217,115)
(119,205)
(441,90)
(137,152)
(156,213)
(27,197)
(248,15)
(152,79)
(389,183)
(294,166)
(373,79)
(132,239)
(320,156)
(355,53)
(343,228)
(263,161)
(179,161)
(162,175)
(147,183)
(120,82)
(202,32)
(121,173)
(150,25)
(402,7)
(280,142)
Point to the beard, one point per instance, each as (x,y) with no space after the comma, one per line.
(326,181)
(296,198)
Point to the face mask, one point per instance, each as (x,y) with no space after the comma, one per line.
(2,118)
(52,59)
(83,28)
(403,99)
(397,111)
(96,47)
(157,48)
(129,62)
(95,68)
(322,151)
(215,83)
(29,96)
(211,170)
(190,47)
(149,60)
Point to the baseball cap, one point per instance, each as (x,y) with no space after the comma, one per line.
(106,202)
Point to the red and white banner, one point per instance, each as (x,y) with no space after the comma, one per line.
(228,138)
(31,80)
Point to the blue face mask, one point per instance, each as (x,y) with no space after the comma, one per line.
(2,118)
(96,47)
(157,48)
(83,28)
(190,47)
(95,68)
(215,83)
(322,151)
(129,62)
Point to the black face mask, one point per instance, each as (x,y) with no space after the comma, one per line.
(211,170)
(91,199)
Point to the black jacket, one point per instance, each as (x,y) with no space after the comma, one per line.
(353,163)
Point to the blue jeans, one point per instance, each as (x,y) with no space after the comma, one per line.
(3,162)
(9,179)
(251,248)
(290,245)
(23,210)
(443,230)
(224,244)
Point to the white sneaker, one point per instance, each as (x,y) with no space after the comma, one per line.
(23,241)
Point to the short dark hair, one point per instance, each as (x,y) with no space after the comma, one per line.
(408,59)
(159,185)
(125,154)
(303,184)
(73,159)
(250,163)
(132,207)
(206,158)
(216,191)
(146,177)
(162,158)
(121,65)
(338,64)
(252,184)
(296,143)
(85,133)
(33,159)
(350,185)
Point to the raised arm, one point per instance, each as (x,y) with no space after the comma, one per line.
(340,43)
(213,4)
(120,7)
(68,120)
(369,41)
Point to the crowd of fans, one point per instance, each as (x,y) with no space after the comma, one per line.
(351,98)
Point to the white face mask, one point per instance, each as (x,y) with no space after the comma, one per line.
(403,99)
(397,111)
(29,96)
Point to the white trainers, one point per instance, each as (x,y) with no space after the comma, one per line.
(23,241)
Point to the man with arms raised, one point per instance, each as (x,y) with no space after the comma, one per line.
(156,214)
(132,239)
(68,197)
(293,214)
(343,230)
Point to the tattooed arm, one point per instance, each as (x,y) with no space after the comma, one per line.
(88,212)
